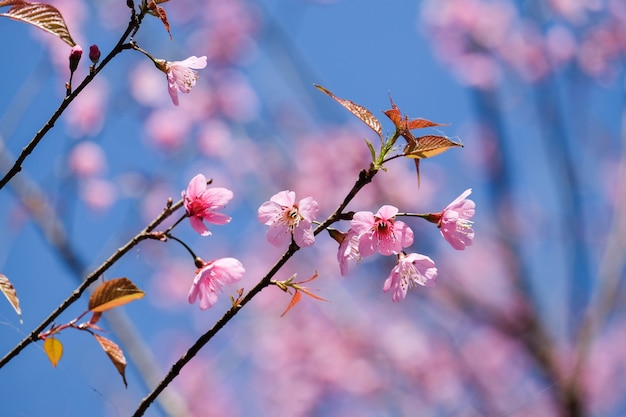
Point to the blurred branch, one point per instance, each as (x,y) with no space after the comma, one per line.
(610,270)
(534,337)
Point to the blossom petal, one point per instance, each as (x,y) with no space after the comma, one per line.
(268,212)
(387,212)
(196,186)
(278,234)
(308,208)
(459,199)
(216,197)
(194,62)
(303,234)
(284,198)
(198,226)
(362,221)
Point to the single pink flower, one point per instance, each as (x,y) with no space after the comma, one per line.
(411,270)
(454,221)
(348,251)
(181,76)
(381,232)
(201,203)
(211,277)
(287,218)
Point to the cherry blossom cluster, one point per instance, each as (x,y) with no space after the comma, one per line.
(369,233)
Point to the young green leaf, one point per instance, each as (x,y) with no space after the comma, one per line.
(359,111)
(9,292)
(115,354)
(53,349)
(43,16)
(114,293)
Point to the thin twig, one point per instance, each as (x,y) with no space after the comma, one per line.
(143,235)
(28,149)
(365,177)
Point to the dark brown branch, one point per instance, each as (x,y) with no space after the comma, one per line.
(365,177)
(143,235)
(28,149)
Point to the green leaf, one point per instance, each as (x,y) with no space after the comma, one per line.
(43,16)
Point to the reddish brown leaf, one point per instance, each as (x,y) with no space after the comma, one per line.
(294,300)
(359,111)
(9,292)
(115,354)
(41,15)
(404,124)
(422,123)
(310,294)
(394,114)
(159,12)
(309,279)
(114,293)
(53,349)
(429,146)
(95,317)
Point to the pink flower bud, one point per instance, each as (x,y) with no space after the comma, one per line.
(75,55)
(94,54)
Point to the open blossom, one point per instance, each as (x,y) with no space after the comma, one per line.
(201,203)
(381,232)
(348,251)
(454,221)
(412,269)
(181,76)
(211,277)
(286,218)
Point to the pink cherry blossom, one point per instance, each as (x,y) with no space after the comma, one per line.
(211,277)
(454,223)
(181,76)
(348,251)
(201,203)
(412,269)
(381,232)
(287,218)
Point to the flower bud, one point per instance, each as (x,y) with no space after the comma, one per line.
(94,54)
(75,55)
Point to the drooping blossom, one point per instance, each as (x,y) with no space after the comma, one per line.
(454,221)
(348,250)
(381,231)
(181,76)
(286,218)
(411,270)
(210,278)
(201,203)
